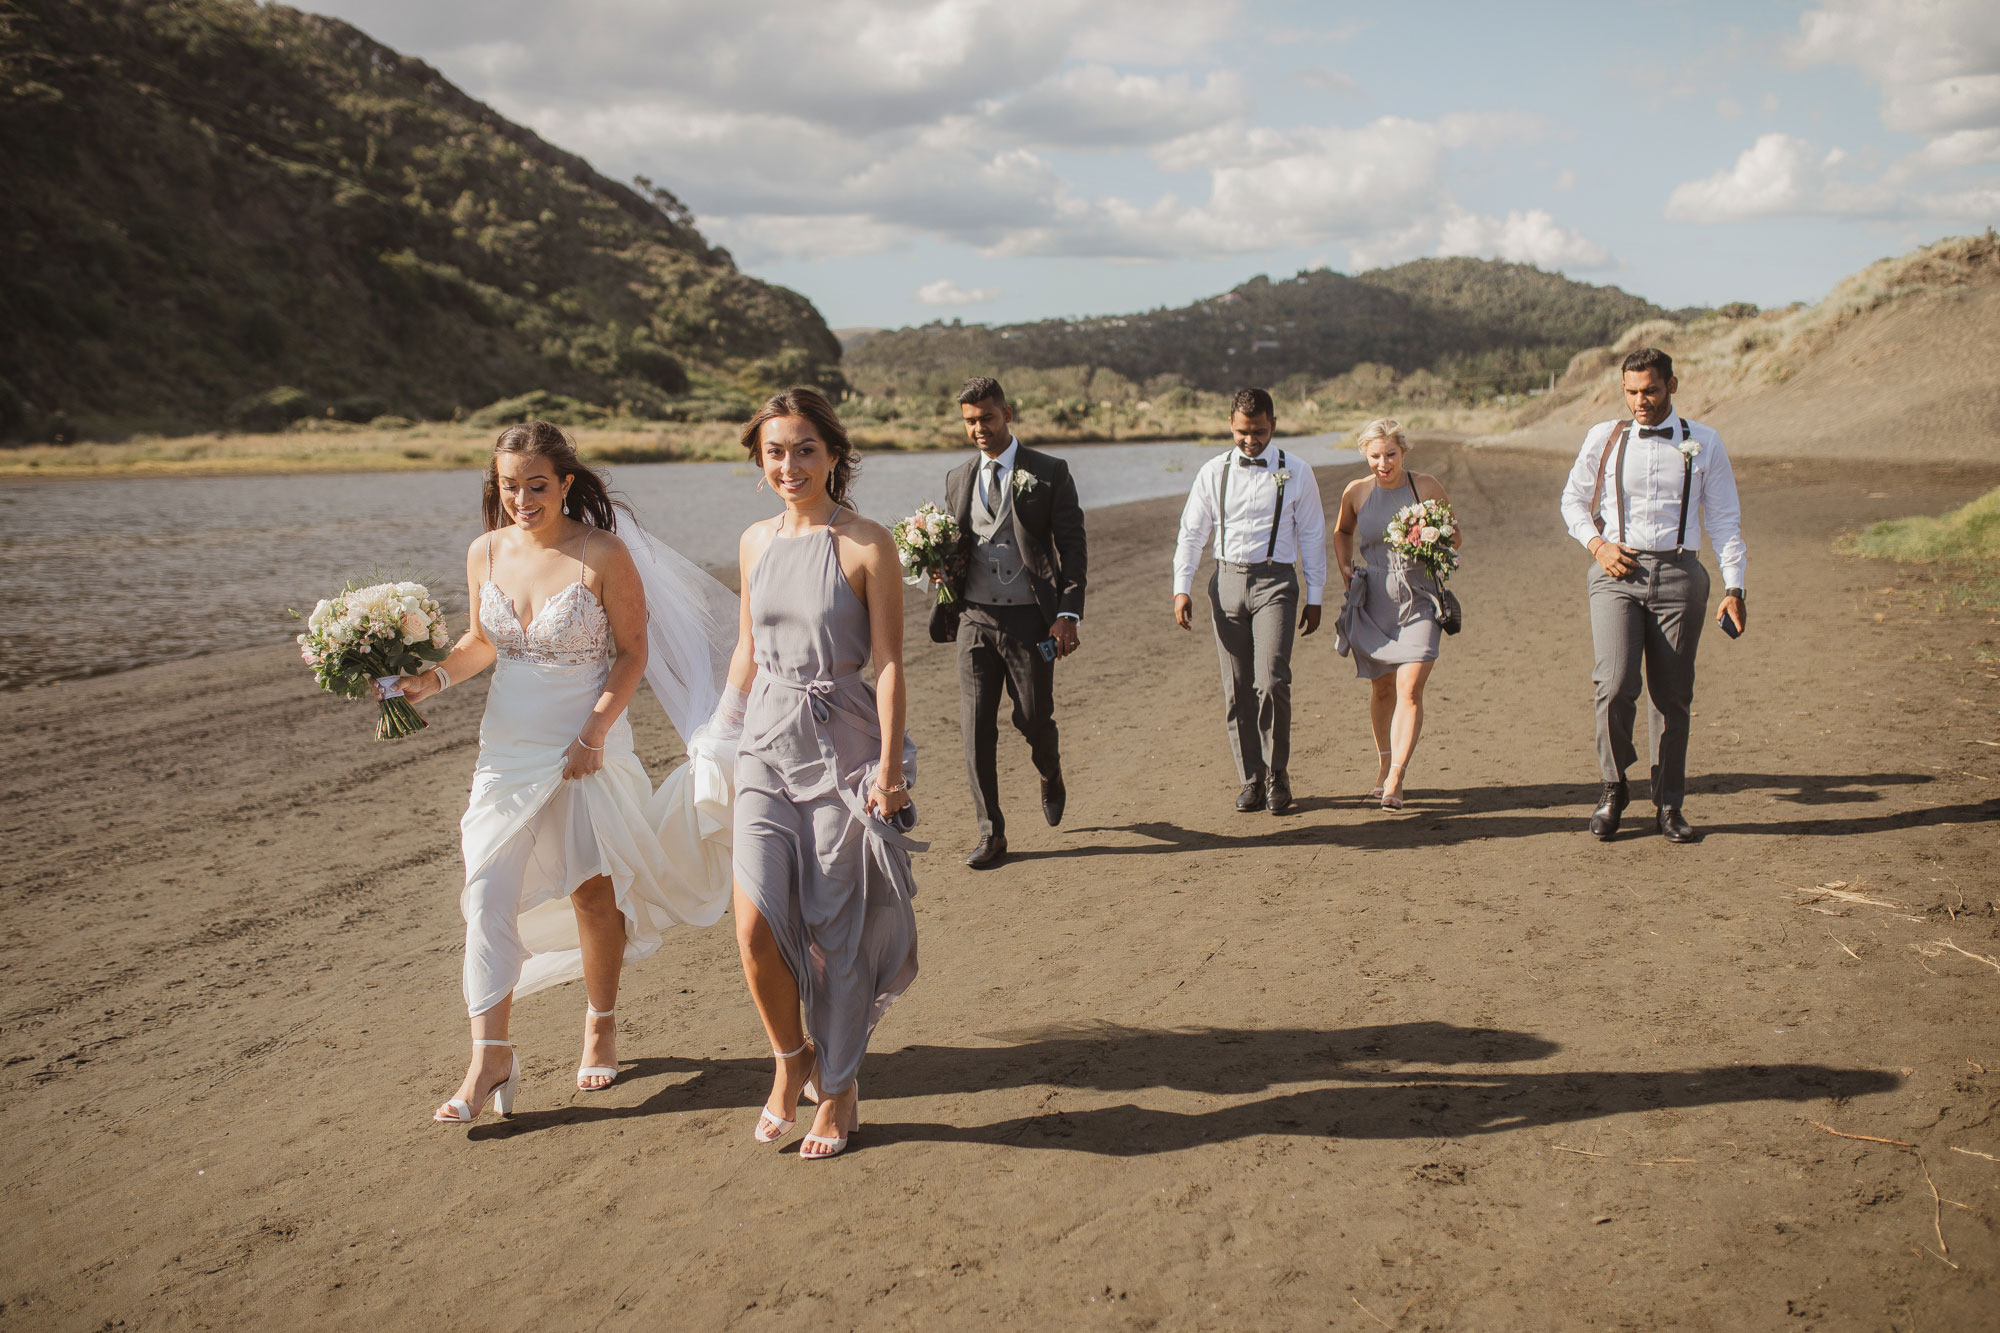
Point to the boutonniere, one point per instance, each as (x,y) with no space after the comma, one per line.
(1690,450)
(1284,475)
(1022,481)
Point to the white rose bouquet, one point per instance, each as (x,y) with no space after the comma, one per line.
(372,635)
(927,545)
(1421,533)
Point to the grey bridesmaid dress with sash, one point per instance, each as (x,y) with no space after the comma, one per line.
(1389,617)
(832,880)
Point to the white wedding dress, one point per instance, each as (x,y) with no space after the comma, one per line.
(531,837)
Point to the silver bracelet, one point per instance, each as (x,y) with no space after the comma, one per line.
(904,785)
(587,745)
(444,677)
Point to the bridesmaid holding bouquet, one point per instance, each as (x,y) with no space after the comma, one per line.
(1390,619)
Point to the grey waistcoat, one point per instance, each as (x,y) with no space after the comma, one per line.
(997,576)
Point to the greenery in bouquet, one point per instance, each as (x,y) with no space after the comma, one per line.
(362,635)
(927,545)
(1423,534)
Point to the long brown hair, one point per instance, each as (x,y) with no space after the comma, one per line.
(589,499)
(808,402)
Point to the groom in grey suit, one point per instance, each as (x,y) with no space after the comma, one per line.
(1017,599)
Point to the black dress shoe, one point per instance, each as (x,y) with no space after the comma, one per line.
(990,852)
(1280,799)
(1610,807)
(1054,794)
(1251,797)
(1672,827)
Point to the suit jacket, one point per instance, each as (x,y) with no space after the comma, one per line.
(1048,527)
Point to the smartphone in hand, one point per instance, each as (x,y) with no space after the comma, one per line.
(1047,648)
(1729,625)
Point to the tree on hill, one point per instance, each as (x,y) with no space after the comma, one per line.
(218,209)
(1462,319)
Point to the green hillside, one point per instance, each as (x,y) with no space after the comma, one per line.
(1466,320)
(219,212)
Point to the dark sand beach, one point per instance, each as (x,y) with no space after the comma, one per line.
(1171,1066)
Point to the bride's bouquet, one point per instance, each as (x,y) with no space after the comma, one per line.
(927,545)
(372,635)
(1421,533)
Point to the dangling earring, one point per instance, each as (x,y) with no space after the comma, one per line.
(565,506)
(760,482)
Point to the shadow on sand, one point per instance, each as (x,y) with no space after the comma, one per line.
(1391,1086)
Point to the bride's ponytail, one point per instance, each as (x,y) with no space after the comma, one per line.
(589,500)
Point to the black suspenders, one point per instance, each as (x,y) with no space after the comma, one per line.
(1222,511)
(1687,483)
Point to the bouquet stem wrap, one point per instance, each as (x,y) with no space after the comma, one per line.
(399,717)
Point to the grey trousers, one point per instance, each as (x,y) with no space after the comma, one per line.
(1652,616)
(996,651)
(1256,612)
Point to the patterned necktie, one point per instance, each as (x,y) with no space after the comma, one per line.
(992,501)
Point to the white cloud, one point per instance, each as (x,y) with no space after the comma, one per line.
(1532,237)
(946,292)
(852,127)
(1094,106)
(1936,61)
(1784,176)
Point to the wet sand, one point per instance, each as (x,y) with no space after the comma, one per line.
(1462,1068)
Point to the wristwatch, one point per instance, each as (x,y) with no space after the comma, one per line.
(1737,593)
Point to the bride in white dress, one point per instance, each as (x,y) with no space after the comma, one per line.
(573,608)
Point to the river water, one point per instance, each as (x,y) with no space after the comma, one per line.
(106,575)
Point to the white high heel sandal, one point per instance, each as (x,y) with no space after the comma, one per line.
(1394,802)
(609,1073)
(771,1128)
(834,1146)
(1375,792)
(502,1094)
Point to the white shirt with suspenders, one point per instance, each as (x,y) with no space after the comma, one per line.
(1638,487)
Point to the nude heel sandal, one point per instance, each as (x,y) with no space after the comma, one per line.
(1375,792)
(464,1113)
(609,1073)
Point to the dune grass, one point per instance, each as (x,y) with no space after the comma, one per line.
(1970,533)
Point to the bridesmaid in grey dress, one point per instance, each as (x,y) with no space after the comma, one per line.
(823,770)
(1389,620)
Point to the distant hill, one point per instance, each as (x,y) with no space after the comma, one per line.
(219,211)
(1900,361)
(1459,317)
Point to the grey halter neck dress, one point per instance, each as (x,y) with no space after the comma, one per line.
(832,880)
(1389,617)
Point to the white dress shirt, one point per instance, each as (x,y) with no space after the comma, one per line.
(986,476)
(1253,503)
(1652,483)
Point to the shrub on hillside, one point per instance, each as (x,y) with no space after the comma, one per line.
(273,409)
(538,405)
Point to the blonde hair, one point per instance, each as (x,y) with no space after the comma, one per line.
(1382,428)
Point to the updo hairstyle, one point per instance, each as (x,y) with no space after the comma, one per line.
(1382,428)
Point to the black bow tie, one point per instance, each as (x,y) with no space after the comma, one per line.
(1241,461)
(1656,432)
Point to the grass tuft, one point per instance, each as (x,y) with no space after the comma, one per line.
(1969,533)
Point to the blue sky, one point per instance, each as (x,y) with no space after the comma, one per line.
(905,160)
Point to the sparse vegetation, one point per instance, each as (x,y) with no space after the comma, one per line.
(1969,533)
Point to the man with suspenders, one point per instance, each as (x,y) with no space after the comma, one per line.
(1263,506)
(1638,499)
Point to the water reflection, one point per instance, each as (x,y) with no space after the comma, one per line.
(112,574)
